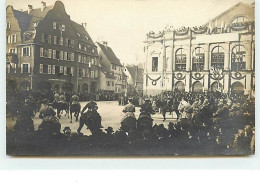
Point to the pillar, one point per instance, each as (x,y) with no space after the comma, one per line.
(206,63)
(187,83)
(248,83)
(227,57)
(188,61)
(249,57)
(206,82)
(226,83)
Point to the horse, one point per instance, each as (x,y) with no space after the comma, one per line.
(144,124)
(74,108)
(62,106)
(128,123)
(92,120)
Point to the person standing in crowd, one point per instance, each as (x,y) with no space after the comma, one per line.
(129,109)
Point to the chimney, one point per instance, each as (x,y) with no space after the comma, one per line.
(104,43)
(30,7)
(84,25)
(43,5)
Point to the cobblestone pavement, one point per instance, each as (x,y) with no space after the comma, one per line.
(110,112)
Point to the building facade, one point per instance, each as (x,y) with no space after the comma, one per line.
(135,79)
(112,75)
(218,55)
(49,50)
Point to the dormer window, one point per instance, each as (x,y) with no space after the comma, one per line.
(54,25)
(240,23)
(78,34)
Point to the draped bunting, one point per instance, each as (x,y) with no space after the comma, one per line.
(197,76)
(238,76)
(179,76)
(154,81)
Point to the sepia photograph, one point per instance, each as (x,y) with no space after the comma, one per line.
(130,78)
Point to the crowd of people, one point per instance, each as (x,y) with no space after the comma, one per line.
(209,123)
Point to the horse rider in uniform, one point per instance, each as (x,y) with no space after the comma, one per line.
(146,108)
(75,99)
(129,108)
(62,98)
(91,107)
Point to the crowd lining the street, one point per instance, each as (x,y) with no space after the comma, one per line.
(210,123)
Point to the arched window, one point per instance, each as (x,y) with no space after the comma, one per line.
(238,58)
(180,60)
(217,57)
(240,19)
(198,59)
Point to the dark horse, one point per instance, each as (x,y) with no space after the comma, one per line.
(128,124)
(61,106)
(92,120)
(74,108)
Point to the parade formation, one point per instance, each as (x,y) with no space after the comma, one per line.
(195,95)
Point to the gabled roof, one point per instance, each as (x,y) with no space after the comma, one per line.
(37,15)
(110,54)
(23,19)
(83,34)
(218,16)
(136,72)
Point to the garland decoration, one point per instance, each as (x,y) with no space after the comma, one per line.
(154,81)
(197,76)
(238,76)
(179,76)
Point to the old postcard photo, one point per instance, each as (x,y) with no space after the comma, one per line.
(130,78)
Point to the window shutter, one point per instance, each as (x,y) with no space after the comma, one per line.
(54,54)
(41,68)
(61,41)
(49,69)
(65,70)
(61,55)
(72,56)
(55,39)
(71,70)
(15,38)
(65,55)
(53,69)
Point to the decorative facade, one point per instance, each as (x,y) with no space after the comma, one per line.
(217,55)
(47,50)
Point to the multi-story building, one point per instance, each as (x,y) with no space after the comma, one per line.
(46,49)
(135,79)
(217,55)
(112,73)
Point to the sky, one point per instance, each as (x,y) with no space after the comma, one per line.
(124,23)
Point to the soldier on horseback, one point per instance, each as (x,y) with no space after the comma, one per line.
(129,108)
(146,108)
(91,118)
(50,123)
(56,100)
(128,122)
(74,106)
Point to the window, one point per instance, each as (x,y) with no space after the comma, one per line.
(93,50)
(13,50)
(69,56)
(49,39)
(217,57)
(49,69)
(154,64)
(55,39)
(50,53)
(11,67)
(79,46)
(180,60)
(26,51)
(58,55)
(69,70)
(25,68)
(57,70)
(198,59)
(65,70)
(85,48)
(61,41)
(83,72)
(238,55)
(8,25)
(54,54)
(72,57)
(13,38)
(92,74)
(61,55)
(27,36)
(45,69)
(112,83)
(108,83)
(54,25)
(42,37)
(41,68)
(93,62)
(79,58)
(62,27)
(79,72)
(61,69)
(41,52)
(96,73)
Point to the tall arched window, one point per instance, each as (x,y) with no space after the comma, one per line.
(240,19)
(238,58)
(180,60)
(217,57)
(198,59)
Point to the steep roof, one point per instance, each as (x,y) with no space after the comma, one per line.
(136,72)
(110,54)
(236,5)
(23,19)
(37,15)
(83,34)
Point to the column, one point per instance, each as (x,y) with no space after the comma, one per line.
(227,57)
(206,63)
(173,59)
(206,82)
(249,57)
(248,83)
(226,83)
(187,82)
(188,61)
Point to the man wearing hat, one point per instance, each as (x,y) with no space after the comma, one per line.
(129,108)
(146,108)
